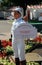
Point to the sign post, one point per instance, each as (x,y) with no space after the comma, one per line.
(25,30)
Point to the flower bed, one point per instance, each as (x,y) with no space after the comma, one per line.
(6,61)
(6,46)
(6,51)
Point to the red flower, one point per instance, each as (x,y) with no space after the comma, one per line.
(1,54)
(4,43)
(38,39)
(9,43)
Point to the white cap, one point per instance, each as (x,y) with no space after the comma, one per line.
(19,9)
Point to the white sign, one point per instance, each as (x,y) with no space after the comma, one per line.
(25,30)
(40,17)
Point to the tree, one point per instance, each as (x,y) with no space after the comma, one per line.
(22,3)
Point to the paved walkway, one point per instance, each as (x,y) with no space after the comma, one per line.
(33,57)
(4,36)
(5,29)
(38,51)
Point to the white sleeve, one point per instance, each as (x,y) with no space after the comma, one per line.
(12,28)
(13,34)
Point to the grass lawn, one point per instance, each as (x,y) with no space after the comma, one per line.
(34,21)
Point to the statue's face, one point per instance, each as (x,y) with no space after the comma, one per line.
(16,14)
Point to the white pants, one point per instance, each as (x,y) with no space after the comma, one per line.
(19,49)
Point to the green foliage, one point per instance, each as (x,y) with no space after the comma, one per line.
(8,3)
(28,47)
(9,50)
(32,63)
(5,61)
